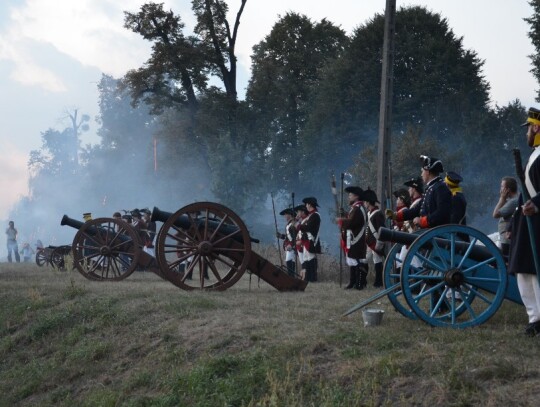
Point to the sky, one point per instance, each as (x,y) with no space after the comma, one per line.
(53,53)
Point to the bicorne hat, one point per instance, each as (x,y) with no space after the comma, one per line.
(415,183)
(404,195)
(310,200)
(301,208)
(355,190)
(533,117)
(370,196)
(431,164)
(289,211)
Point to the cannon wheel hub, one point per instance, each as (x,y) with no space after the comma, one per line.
(205,248)
(454,278)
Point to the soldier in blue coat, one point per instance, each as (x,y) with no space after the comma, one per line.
(436,206)
(521,260)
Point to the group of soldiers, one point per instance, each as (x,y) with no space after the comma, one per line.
(301,238)
(431,200)
(441,202)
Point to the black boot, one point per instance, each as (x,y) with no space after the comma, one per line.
(362,277)
(352,278)
(378,275)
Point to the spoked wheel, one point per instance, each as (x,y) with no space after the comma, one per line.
(58,259)
(106,249)
(203,246)
(41,257)
(450,274)
(392,277)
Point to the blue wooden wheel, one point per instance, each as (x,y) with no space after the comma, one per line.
(392,276)
(450,273)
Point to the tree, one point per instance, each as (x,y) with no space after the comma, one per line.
(534,35)
(285,67)
(438,85)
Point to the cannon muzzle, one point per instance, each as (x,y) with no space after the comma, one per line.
(66,220)
(185,223)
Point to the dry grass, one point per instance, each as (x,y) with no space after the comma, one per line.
(68,341)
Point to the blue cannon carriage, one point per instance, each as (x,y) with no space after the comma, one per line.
(443,279)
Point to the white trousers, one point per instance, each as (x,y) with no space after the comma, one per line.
(529,289)
(372,254)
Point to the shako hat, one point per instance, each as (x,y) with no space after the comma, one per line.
(310,200)
(431,164)
(415,183)
(370,196)
(404,195)
(533,117)
(355,190)
(301,208)
(453,177)
(289,211)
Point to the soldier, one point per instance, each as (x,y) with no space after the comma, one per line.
(289,239)
(403,200)
(459,203)
(301,215)
(521,261)
(150,232)
(375,248)
(353,238)
(310,232)
(436,206)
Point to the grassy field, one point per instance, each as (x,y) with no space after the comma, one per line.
(67,341)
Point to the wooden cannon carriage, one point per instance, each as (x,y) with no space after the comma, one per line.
(203,246)
(444,280)
(54,256)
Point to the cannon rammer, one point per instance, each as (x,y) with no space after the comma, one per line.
(203,245)
(444,280)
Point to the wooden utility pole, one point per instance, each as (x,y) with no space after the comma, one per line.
(385,110)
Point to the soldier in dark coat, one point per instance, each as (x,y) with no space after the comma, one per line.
(436,207)
(375,248)
(521,260)
(353,238)
(459,203)
(310,230)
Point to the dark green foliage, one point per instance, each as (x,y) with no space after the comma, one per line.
(286,68)
(534,35)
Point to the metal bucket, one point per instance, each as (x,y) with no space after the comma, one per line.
(372,316)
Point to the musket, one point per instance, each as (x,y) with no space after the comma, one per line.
(526,196)
(389,193)
(341,211)
(277,231)
(334,192)
(338,214)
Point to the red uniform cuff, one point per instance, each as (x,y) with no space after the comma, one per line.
(423,222)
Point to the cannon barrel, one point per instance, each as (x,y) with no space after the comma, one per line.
(184,223)
(478,253)
(76,224)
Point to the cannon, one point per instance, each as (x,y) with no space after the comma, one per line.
(107,249)
(203,246)
(444,279)
(55,256)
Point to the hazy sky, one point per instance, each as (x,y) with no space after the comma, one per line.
(53,52)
